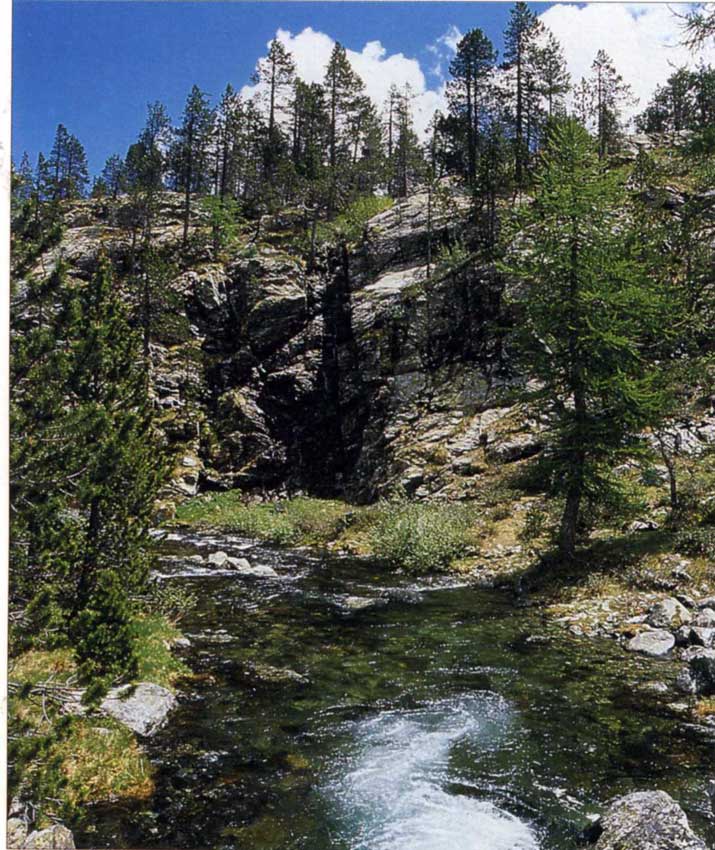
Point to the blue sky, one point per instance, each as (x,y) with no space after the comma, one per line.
(94,65)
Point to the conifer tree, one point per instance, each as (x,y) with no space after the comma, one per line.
(343,87)
(277,74)
(595,318)
(66,173)
(85,467)
(521,32)
(609,94)
(114,176)
(468,91)
(190,154)
(554,78)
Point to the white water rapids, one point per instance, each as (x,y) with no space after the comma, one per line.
(391,795)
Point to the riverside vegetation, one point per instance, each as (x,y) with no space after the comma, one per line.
(288,319)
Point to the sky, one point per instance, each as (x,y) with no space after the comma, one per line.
(94,66)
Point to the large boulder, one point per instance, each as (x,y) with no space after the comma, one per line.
(143,708)
(646,820)
(56,837)
(655,642)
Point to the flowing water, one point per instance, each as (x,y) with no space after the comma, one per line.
(427,715)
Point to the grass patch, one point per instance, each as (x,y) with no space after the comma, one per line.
(153,636)
(102,761)
(300,521)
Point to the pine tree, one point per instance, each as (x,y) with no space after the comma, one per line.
(25,181)
(190,153)
(522,30)
(609,94)
(406,163)
(114,176)
(471,69)
(277,74)
(595,319)
(66,175)
(343,88)
(555,80)
(85,466)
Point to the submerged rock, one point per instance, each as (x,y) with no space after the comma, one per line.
(702,669)
(655,642)
(353,604)
(56,837)
(268,674)
(646,820)
(143,708)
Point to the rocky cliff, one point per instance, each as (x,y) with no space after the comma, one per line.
(377,369)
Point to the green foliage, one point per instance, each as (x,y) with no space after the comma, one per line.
(224,220)
(85,467)
(420,537)
(169,600)
(598,323)
(349,226)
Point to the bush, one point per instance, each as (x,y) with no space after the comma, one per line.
(350,224)
(696,542)
(421,537)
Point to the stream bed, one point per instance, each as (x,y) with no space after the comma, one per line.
(339,706)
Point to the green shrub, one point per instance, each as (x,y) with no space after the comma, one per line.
(350,224)
(419,536)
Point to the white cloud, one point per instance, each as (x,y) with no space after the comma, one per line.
(642,39)
(378,70)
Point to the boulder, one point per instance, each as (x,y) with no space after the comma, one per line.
(700,636)
(646,820)
(668,614)
(56,837)
(245,568)
(143,708)
(702,670)
(705,619)
(218,559)
(708,602)
(655,642)
(353,604)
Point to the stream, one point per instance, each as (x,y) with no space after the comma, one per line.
(339,706)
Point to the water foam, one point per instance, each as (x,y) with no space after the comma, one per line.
(391,795)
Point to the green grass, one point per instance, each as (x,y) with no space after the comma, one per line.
(295,522)
(153,636)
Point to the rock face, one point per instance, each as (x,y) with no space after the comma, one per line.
(56,837)
(646,820)
(142,708)
(369,372)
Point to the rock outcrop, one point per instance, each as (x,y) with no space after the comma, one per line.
(646,820)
